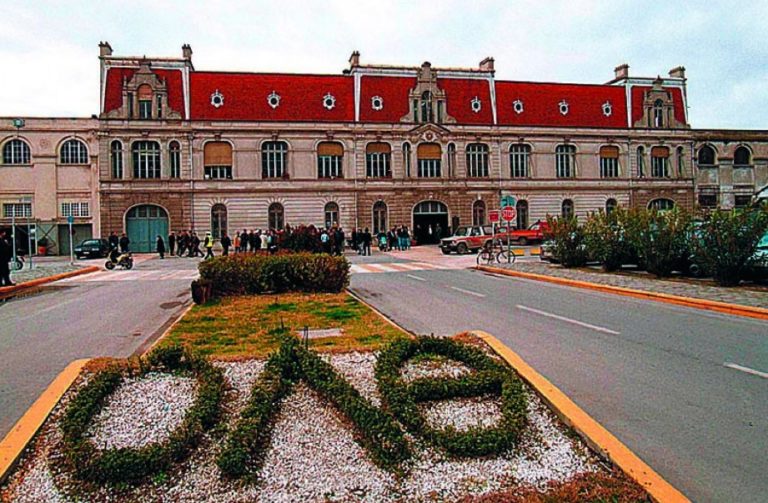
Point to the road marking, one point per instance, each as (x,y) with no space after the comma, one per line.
(568,320)
(468,292)
(415,277)
(747,370)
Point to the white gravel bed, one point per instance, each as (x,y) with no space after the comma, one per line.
(463,413)
(143,411)
(441,367)
(313,455)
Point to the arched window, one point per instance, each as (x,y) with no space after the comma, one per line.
(658,114)
(175,158)
(565,161)
(379,217)
(451,160)
(276,216)
(145,101)
(706,156)
(329,159)
(73,152)
(680,157)
(519,160)
(477,160)
(218,220)
(742,157)
(429,155)
(331,215)
(660,162)
(426,106)
(609,161)
(567,209)
(16,151)
(661,204)
(640,162)
(478,213)
(146,159)
(610,205)
(522,214)
(116,159)
(217,160)
(407,159)
(378,160)
(274,156)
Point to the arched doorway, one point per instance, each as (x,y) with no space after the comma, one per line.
(218,220)
(478,213)
(143,224)
(276,216)
(430,221)
(379,217)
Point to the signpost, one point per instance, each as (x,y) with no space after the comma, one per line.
(70,221)
(27,199)
(508,213)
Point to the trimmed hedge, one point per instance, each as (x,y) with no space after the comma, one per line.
(285,272)
(490,378)
(376,431)
(134,464)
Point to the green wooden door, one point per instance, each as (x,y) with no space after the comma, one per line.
(143,225)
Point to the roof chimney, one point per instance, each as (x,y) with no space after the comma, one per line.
(486,65)
(105,49)
(621,72)
(677,72)
(354,59)
(186,52)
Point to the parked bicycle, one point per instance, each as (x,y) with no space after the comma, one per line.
(495,251)
(16,265)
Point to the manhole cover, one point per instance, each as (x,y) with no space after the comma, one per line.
(318,333)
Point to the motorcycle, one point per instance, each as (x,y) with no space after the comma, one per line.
(124,260)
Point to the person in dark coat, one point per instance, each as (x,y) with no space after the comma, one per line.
(244,241)
(226,242)
(114,241)
(124,243)
(367,238)
(6,254)
(160,246)
(338,241)
(194,249)
(355,239)
(171,243)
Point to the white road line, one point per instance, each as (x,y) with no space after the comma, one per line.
(415,277)
(747,370)
(468,292)
(568,320)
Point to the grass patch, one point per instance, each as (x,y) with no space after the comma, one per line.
(252,325)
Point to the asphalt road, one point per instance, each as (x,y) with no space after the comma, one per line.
(653,374)
(109,313)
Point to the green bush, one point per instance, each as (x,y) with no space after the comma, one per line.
(254,273)
(489,377)
(661,239)
(567,236)
(726,242)
(134,464)
(604,239)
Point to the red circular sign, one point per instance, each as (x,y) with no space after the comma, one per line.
(508,213)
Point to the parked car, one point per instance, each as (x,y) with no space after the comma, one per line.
(92,248)
(467,239)
(545,253)
(759,268)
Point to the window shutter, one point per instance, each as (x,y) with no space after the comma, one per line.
(429,151)
(328,148)
(378,148)
(218,153)
(659,152)
(609,152)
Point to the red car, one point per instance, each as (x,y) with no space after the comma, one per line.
(533,234)
(467,239)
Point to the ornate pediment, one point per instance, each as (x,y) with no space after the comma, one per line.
(428,133)
(144,85)
(426,101)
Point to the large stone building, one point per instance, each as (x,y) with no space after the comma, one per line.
(376,146)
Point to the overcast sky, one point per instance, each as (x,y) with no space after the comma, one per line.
(49,53)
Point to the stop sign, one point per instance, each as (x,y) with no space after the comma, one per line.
(508,213)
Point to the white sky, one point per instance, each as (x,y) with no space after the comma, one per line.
(49,53)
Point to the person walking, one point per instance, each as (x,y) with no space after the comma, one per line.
(124,243)
(367,242)
(264,241)
(160,244)
(226,242)
(6,254)
(355,239)
(194,246)
(208,246)
(171,243)
(325,241)
(338,241)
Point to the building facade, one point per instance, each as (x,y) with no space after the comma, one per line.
(377,146)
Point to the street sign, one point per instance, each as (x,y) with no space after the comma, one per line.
(70,220)
(508,201)
(493,216)
(508,213)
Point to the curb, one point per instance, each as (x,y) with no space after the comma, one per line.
(381,315)
(167,331)
(28,425)
(709,305)
(593,433)
(10,290)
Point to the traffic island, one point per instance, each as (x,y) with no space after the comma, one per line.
(12,291)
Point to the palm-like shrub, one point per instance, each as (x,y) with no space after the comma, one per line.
(661,239)
(605,240)
(568,246)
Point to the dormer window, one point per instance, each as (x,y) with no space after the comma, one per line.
(145,102)
(426,106)
(658,114)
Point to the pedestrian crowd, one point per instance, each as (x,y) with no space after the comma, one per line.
(396,238)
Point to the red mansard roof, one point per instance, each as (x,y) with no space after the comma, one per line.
(245,97)
(541,104)
(459,96)
(638,95)
(394,93)
(113,97)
